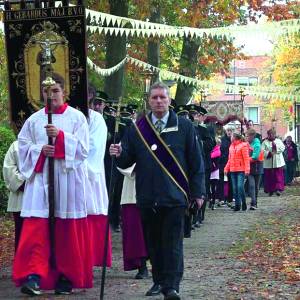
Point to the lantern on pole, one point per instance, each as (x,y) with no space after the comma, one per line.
(243,95)
(148,78)
(203,95)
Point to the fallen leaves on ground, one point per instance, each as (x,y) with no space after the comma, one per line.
(6,241)
(277,253)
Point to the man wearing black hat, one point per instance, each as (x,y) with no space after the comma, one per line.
(98,103)
(182,111)
(197,114)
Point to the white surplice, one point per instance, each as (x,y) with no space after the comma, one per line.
(70,174)
(128,191)
(13,178)
(97,201)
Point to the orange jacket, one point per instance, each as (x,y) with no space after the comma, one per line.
(238,159)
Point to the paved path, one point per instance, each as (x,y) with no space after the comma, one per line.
(210,272)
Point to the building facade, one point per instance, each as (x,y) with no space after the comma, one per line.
(244,73)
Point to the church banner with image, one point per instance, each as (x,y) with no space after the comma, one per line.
(29,33)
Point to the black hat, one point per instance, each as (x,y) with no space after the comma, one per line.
(173,104)
(101,96)
(109,108)
(202,111)
(132,108)
(181,110)
(125,112)
(193,108)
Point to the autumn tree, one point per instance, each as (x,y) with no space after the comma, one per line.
(287,62)
(115,52)
(3,83)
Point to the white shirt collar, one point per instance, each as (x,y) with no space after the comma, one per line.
(164,119)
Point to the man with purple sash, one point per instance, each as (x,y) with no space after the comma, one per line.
(169,178)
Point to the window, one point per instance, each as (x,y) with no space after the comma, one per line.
(244,81)
(229,81)
(253,114)
(253,81)
(240,81)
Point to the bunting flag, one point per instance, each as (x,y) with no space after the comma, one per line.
(106,72)
(263,92)
(115,25)
(271,29)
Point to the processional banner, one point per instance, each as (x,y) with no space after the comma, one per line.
(29,32)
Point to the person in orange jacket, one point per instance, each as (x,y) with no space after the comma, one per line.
(238,165)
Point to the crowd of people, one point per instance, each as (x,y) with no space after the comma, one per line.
(152,179)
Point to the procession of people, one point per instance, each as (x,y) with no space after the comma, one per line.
(87,167)
(170,165)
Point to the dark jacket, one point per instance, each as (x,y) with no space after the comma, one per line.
(225,144)
(153,185)
(295,151)
(208,144)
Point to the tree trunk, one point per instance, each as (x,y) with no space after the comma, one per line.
(153,52)
(188,66)
(115,52)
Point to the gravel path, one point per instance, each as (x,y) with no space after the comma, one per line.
(210,273)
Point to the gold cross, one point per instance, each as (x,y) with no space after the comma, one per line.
(21,114)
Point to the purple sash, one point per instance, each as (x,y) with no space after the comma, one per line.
(162,154)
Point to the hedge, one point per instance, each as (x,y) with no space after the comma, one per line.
(7,136)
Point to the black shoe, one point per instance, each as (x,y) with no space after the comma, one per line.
(32,286)
(252,207)
(236,208)
(278,193)
(142,273)
(244,206)
(171,295)
(154,290)
(63,286)
(270,194)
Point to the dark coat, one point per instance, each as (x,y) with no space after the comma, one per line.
(208,144)
(225,144)
(153,185)
(295,150)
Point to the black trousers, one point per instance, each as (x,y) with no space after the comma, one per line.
(163,229)
(201,212)
(115,206)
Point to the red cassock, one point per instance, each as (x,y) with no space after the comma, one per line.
(73,247)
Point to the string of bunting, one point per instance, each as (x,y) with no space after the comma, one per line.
(264,92)
(109,71)
(272,30)
(115,25)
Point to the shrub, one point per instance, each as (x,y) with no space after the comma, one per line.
(7,136)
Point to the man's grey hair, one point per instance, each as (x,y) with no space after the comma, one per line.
(159,85)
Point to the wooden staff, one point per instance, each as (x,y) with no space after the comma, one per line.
(46,45)
(110,197)
(48,83)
